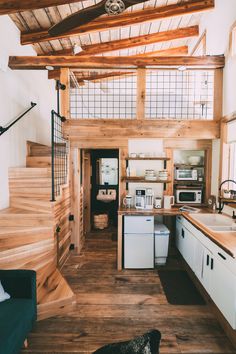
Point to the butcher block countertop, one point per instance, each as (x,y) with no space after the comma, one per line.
(134,211)
(225,240)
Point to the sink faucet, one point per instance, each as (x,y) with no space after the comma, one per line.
(221,205)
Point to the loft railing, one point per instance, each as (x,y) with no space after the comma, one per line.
(4,129)
(60,148)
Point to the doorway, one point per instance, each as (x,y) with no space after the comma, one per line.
(100,185)
(105,184)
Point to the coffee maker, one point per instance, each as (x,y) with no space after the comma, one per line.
(144,198)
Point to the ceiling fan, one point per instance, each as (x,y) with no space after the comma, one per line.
(79,18)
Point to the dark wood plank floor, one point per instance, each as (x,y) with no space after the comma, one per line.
(113,306)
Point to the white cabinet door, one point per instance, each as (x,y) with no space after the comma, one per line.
(223,290)
(178,235)
(138,251)
(207,267)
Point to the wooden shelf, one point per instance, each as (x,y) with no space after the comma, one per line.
(147,158)
(142,180)
(188,165)
(193,183)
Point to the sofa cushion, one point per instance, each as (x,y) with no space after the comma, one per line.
(16,319)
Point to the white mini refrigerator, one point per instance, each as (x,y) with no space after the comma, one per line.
(162,235)
(138,242)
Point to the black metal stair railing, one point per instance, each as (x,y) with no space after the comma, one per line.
(7,127)
(60,149)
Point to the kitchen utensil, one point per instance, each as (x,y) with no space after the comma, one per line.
(194,160)
(158,203)
(127,201)
(169,200)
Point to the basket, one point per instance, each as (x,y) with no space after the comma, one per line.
(100,221)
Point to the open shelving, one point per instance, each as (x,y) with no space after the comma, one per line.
(142,180)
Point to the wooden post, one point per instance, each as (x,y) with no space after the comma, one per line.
(119,243)
(170,168)
(218,94)
(123,153)
(65,94)
(141,93)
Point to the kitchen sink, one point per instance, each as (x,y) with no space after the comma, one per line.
(215,222)
(231,228)
(213,219)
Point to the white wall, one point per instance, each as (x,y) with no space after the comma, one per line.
(218,24)
(17,90)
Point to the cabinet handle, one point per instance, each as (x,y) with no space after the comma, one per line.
(208,259)
(212,263)
(183,233)
(221,255)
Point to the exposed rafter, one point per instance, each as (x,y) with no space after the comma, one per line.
(34,62)
(126,19)
(11,6)
(175,51)
(143,40)
(97,77)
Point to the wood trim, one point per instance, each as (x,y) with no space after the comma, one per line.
(126,19)
(208,172)
(141,93)
(116,131)
(39,63)
(65,94)
(54,74)
(218,94)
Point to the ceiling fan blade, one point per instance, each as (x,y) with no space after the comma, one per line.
(78,19)
(88,14)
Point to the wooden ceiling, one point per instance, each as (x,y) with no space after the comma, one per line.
(105,36)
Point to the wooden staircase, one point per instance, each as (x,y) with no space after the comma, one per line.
(28,237)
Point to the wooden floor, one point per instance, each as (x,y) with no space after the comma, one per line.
(114,306)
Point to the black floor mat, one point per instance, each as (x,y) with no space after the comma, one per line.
(179,288)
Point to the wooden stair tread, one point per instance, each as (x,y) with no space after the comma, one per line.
(22,229)
(55,294)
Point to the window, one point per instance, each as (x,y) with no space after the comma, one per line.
(231,140)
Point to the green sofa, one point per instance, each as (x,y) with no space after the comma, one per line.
(18,314)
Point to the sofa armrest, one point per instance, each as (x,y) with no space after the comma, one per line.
(19,283)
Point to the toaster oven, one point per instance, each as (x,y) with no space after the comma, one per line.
(186,175)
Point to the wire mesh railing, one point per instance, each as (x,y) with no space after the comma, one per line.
(168,94)
(60,149)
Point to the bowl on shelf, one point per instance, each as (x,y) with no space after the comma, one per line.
(163,175)
(194,160)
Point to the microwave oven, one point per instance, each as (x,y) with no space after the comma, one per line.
(191,196)
(186,175)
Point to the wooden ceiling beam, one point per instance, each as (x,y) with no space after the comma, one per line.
(175,51)
(103,62)
(96,77)
(125,19)
(11,6)
(94,49)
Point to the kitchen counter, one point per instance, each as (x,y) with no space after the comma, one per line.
(225,240)
(134,211)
